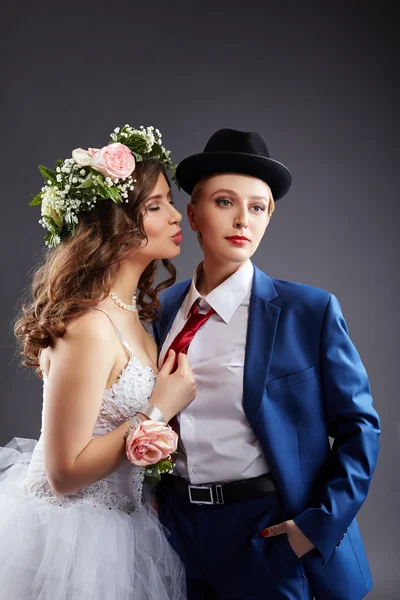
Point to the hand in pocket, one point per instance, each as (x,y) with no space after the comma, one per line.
(299,543)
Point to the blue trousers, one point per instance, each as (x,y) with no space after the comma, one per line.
(224,555)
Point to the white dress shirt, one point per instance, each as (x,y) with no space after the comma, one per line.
(218,443)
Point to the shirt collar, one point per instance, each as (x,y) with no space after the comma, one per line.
(227,297)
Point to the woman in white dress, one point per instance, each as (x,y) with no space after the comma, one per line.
(73,523)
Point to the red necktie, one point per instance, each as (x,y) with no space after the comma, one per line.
(182,341)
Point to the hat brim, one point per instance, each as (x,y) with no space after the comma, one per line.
(198,166)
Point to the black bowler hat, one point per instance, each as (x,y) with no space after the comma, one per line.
(232,151)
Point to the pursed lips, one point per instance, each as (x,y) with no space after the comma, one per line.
(177,237)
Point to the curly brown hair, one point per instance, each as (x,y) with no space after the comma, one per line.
(81,271)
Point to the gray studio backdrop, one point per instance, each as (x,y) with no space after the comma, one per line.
(317,79)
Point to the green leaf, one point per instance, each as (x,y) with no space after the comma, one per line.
(88,182)
(101,188)
(135,143)
(155,152)
(137,156)
(153,479)
(48,173)
(36,200)
(114,194)
(157,148)
(52,239)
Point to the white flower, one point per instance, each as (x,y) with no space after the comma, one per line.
(82,157)
(52,203)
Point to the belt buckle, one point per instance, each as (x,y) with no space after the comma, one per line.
(219,496)
(200,487)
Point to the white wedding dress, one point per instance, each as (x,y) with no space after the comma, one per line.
(101,543)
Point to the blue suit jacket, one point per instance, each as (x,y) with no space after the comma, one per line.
(303,383)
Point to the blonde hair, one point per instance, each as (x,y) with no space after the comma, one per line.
(198,188)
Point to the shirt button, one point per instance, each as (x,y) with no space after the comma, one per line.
(193,470)
(187,422)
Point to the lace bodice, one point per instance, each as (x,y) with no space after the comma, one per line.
(122,489)
(132,390)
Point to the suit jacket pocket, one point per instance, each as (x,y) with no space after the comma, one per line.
(290,380)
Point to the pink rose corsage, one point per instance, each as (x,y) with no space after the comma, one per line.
(150,445)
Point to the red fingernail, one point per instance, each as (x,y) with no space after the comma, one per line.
(265,533)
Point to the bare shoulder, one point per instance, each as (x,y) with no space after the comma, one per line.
(94,326)
(89,338)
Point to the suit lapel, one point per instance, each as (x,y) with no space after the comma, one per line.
(170,307)
(262,325)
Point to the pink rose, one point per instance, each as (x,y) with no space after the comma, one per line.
(84,157)
(149,442)
(115,161)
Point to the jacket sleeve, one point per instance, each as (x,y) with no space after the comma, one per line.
(353,424)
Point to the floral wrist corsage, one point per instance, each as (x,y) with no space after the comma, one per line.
(150,444)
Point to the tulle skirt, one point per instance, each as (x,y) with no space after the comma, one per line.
(79,552)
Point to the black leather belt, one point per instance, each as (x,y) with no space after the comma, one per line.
(220,493)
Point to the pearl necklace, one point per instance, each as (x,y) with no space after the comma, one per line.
(118,302)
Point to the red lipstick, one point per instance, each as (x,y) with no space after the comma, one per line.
(238,240)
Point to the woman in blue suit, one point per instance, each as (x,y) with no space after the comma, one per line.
(260,505)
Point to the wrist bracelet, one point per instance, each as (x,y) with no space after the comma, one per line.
(152,412)
(133,421)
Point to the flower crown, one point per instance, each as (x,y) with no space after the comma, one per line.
(77,183)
